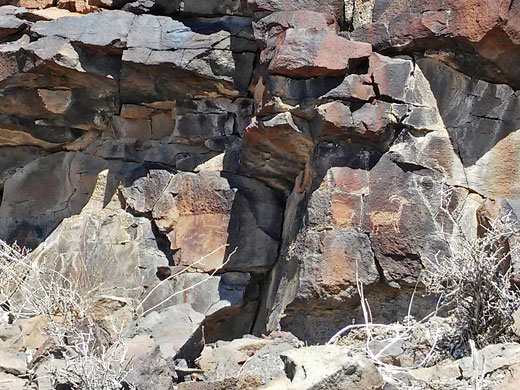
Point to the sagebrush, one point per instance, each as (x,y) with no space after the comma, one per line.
(475,275)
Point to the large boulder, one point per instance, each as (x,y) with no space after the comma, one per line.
(482,122)
(84,246)
(314,52)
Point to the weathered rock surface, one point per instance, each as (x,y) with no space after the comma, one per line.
(325,367)
(313,52)
(479,32)
(254,160)
(247,357)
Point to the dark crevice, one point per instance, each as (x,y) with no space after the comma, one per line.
(511,5)
(163,244)
(354,106)
(490,118)
(260,284)
(410,167)
(13,37)
(379,268)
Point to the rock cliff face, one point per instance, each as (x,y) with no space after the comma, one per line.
(295,146)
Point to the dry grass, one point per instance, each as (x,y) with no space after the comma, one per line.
(91,362)
(93,356)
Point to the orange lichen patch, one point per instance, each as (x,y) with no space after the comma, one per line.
(472,19)
(338,269)
(198,196)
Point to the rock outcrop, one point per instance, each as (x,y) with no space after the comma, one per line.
(250,162)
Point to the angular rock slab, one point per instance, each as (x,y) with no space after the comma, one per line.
(222,299)
(44,192)
(206,216)
(312,52)
(364,218)
(328,7)
(148,368)
(276,150)
(248,356)
(483,43)
(176,330)
(482,120)
(103,247)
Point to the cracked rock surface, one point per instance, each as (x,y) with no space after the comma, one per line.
(293,146)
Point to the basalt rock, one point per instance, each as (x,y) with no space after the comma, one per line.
(269,155)
(482,32)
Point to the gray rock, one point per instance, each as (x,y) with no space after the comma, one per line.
(158,33)
(15,364)
(329,367)
(491,358)
(329,7)
(176,330)
(353,87)
(248,356)
(86,28)
(482,121)
(189,7)
(11,382)
(145,191)
(103,237)
(10,24)
(32,208)
(149,369)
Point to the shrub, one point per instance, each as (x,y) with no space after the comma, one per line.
(475,276)
(90,363)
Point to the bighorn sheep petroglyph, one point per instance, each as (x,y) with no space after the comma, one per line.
(388,218)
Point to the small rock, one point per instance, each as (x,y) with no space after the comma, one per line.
(13,363)
(4,317)
(247,383)
(11,382)
(516,322)
(492,358)
(148,368)
(177,331)
(440,372)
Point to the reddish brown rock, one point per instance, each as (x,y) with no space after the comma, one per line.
(314,52)
(374,120)
(337,120)
(207,216)
(467,33)
(194,213)
(354,87)
(329,7)
(277,150)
